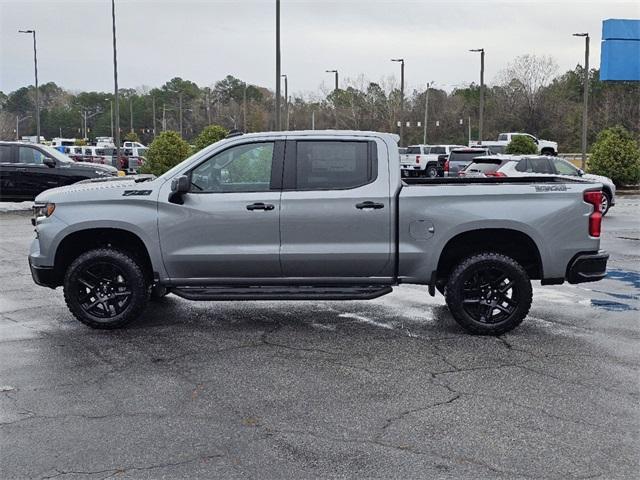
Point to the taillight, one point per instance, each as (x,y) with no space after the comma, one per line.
(417,158)
(595,219)
(495,174)
(461,173)
(446,166)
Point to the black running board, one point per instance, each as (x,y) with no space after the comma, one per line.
(272,292)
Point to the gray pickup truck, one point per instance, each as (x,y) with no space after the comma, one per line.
(313,215)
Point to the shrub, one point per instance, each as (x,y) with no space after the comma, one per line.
(165,152)
(209,135)
(521,145)
(616,155)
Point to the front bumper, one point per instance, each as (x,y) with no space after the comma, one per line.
(44,276)
(588,267)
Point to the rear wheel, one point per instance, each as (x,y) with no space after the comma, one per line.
(489,294)
(432,171)
(606,203)
(105,288)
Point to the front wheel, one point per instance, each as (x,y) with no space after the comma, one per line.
(105,288)
(489,294)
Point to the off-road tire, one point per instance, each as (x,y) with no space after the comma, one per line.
(131,273)
(605,209)
(460,299)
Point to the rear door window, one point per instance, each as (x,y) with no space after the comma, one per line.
(438,150)
(5,154)
(334,165)
(413,150)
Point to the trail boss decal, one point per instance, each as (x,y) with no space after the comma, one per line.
(551,188)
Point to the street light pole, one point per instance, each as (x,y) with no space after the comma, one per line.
(111,109)
(277,106)
(335,72)
(35,65)
(286,99)
(131,113)
(18,120)
(180,99)
(335,96)
(401,60)
(585,97)
(481,120)
(244,108)
(153,113)
(116,99)
(426,113)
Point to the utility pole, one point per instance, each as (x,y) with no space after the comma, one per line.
(401,60)
(481,121)
(278,125)
(469,124)
(426,113)
(313,119)
(180,100)
(115,82)
(585,98)
(164,117)
(286,99)
(35,65)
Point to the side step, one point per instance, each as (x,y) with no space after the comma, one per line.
(272,292)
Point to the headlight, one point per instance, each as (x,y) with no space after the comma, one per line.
(42,210)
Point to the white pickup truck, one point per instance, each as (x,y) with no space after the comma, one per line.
(425,160)
(545,147)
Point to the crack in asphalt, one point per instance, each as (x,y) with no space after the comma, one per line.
(119,470)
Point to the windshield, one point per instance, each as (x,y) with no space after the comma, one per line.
(52,152)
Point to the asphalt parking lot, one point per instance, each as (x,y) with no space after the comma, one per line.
(390,388)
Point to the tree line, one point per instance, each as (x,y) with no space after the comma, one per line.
(528,95)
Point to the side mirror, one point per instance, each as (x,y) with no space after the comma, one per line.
(179,186)
(580,172)
(49,162)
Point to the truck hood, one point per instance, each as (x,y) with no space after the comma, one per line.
(110,188)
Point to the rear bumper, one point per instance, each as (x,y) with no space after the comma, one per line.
(43,276)
(587,267)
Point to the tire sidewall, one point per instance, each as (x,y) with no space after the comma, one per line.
(454,293)
(133,274)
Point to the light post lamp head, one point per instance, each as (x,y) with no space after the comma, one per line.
(401,60)
(476,50)
(331,71)
(26,31)
(580,35)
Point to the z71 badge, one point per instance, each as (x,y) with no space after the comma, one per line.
(551,188)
